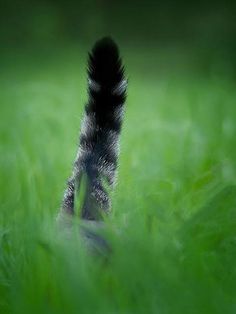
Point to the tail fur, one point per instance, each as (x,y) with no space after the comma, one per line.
(96,161)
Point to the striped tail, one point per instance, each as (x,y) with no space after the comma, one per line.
(96,162)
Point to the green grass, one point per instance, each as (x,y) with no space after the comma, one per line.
(173,222)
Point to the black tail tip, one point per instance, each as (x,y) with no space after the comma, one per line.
(104,65)
(106,47)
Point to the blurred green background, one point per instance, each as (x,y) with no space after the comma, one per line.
(173,221)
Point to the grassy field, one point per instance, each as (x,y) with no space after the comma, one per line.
(173,222)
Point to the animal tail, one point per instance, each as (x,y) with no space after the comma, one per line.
(96,161)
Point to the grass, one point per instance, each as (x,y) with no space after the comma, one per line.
(172,228)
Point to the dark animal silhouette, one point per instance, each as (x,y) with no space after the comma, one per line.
(95,165)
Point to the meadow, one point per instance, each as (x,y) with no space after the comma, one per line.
(173,220)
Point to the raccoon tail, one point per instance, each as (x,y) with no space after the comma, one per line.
(96,162)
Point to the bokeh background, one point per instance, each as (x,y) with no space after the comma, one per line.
(173,221)
(208,27)
(212,23)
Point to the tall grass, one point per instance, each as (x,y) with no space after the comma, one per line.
(173,222)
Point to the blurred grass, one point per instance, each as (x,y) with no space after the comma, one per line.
(172,227)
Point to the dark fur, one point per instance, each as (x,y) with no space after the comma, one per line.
(97,156)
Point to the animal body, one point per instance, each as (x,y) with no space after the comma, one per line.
(95,166)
